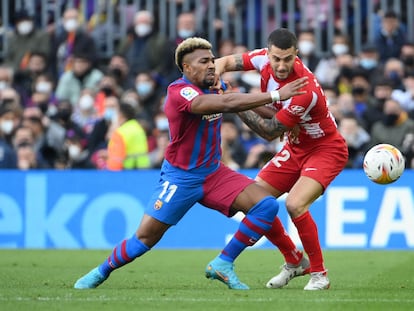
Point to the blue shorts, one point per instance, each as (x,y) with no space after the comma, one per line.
(178,190)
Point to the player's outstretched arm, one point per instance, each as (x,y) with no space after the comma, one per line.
(269,129)
(227,63)
(229,102)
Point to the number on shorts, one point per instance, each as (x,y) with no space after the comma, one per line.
(282,157)
(171,189)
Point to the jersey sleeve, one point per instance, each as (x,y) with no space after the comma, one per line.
(182,96)
(254,60)
(297,108)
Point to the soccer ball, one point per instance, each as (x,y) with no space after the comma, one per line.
(383,164)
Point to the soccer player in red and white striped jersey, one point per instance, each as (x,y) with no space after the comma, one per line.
(313,155)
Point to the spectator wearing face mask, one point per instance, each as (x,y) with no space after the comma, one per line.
(7,154)
(394,70)
(394,127)
(103,128)
(368,61)
(43,95)
(366,109)
(119,69)
(24,79)
(107,87)
(69,40)
(85,114)
(25,40)
(77,153)
(144,48)
(306,46)
(186,27)
(149,93)
(407,55)
(330,67)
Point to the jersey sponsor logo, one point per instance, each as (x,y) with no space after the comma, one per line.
(188,93)
(296,110)
(158,205)
(314,130)
(212,117)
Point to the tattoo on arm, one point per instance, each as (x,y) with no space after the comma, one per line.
(239,62)
(269,129)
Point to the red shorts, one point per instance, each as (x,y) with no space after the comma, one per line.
(322,164)
(222,187)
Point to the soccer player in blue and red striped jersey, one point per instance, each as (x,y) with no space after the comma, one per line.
(192,171)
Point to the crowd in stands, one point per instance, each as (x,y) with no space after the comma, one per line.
(60,108)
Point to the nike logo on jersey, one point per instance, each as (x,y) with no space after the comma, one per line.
(310,169)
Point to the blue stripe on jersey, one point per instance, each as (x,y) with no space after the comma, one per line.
(197,145)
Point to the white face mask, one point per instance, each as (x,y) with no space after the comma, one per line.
(86,102)
(6,126)
(162,124)
(25,27)
(4,85)
(43,87)
(74,151)
(340,49)
(306,47)
(70,25)
(142,30)
(143,88)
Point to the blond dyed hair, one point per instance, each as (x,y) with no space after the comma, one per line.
(189,46)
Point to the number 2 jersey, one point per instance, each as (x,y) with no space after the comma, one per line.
(309,111)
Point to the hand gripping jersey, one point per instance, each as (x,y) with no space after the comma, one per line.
(195,141)
(309,111)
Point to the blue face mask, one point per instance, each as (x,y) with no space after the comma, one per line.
(144,88)
(185,33)
(109,114)
(368,63)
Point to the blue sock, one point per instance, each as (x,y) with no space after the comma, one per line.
(253,226)
(122,254)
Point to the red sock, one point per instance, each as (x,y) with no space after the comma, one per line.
(308,233)
(279,237)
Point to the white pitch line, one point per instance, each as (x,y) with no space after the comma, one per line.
(233,299)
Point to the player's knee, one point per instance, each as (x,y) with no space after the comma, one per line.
(295,207)
(266,209)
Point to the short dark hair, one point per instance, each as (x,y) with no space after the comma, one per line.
(127,111)
(282,38)
(391,14)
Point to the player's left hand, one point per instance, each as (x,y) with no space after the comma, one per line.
(294,133)
(293,88)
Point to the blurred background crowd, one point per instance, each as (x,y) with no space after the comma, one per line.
(83,83)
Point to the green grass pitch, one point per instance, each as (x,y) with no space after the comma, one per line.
(174,280)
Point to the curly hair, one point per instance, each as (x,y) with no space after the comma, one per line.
(188,46)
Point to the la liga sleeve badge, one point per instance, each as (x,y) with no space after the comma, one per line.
(188,93)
